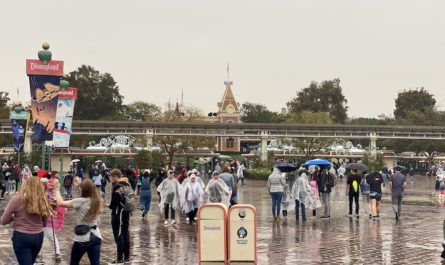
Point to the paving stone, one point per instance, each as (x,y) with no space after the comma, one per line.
(415,239)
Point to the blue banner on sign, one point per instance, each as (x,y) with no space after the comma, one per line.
(44,96)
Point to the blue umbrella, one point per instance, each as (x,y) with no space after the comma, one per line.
(286,167)
(317,162)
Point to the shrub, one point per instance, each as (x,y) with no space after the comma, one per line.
(257,173)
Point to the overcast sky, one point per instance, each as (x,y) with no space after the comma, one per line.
(154,49)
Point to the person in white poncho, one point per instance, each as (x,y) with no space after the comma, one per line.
(301,192)
(217,190)
(183,197)
(192,193)
(169,191)
(341,171)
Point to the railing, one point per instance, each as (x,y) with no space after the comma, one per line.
(250,130)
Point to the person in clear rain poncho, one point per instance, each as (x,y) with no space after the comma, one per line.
(217,190)
(186,207)
(301,191)
(169,192)
(192,200)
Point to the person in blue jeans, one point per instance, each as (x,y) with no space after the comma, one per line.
(88,208)
(145,192)
(28,211)
(301,191)
(275,185)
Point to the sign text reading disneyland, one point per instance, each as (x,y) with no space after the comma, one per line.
(36,67)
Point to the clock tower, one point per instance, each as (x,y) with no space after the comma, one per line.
(228,112)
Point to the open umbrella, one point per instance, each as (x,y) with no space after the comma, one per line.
(286,167)
(317,162)
(357,166)
(399,168)
(98,161)
(75,161)
(224,157)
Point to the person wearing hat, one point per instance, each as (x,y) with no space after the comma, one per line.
(397,183)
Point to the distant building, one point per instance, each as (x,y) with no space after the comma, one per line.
(228,112)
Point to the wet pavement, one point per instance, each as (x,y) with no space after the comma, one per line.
(415,239)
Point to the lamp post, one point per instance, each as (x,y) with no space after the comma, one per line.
(43,155)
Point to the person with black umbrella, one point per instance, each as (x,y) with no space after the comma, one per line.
(353,192)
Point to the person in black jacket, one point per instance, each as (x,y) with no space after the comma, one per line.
(120,219)
(2,184)
(325,187)
(353,192)
(161,177)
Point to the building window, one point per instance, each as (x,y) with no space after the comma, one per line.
(230,142)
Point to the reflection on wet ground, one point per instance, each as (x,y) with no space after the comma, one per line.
(415,239)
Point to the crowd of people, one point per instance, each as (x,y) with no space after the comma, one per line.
(11,177)
(37,208)
(41,198)
(310,188)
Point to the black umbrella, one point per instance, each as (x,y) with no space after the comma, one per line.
(400,168)
(286,167)
(357,166)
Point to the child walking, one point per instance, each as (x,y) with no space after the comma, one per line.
(285,201)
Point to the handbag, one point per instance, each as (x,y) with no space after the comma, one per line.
(81,230)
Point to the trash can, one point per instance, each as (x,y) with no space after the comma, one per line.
(212,231)
(242,233)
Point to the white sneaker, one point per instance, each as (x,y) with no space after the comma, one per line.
(196,219)
(187,220)
(173,222)
(165,222)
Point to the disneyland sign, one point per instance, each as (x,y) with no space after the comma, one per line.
(37,67)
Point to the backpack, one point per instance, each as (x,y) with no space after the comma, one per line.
(170,197)
(68,181)
(355,185)
(364,186)
(128,199)
(330,181)
(215,195)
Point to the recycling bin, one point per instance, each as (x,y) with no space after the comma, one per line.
(242,233)
(212,232)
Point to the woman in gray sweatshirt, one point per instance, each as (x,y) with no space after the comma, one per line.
(275,186)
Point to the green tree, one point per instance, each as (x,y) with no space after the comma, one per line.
(310,146)
(180,144)
(419,100)
(147,160)
(427,116)
(383,120)
(325,97)
(142,111)
(258,113)
(99,97)
(374,163)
